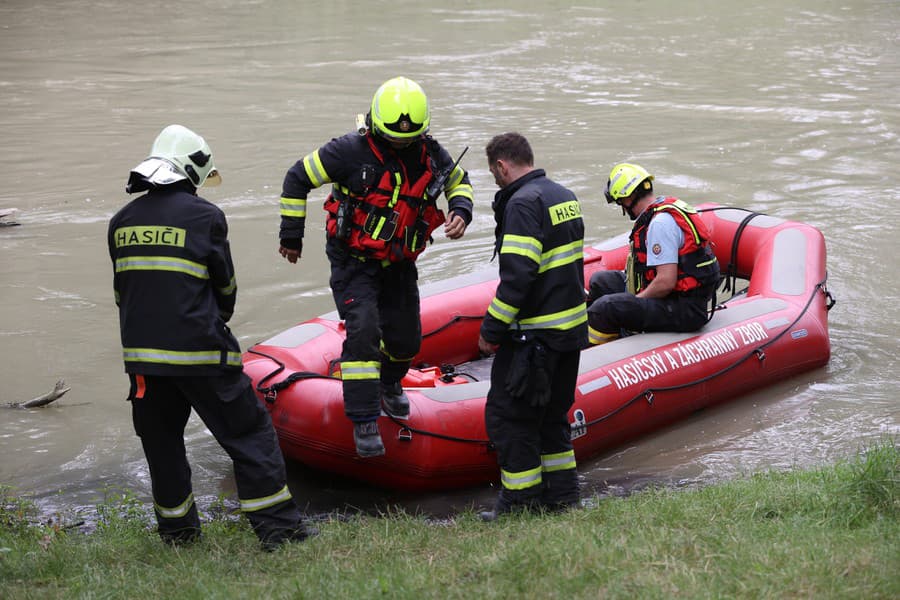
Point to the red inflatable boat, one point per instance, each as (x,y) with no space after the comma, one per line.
(774,328)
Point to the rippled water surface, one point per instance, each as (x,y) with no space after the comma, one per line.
(784,108)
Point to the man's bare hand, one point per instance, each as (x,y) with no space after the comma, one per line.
(292,256)
(486,347)
(455,227)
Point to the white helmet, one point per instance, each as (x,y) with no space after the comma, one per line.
(177,154)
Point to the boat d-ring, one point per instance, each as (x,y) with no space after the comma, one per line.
(404,435)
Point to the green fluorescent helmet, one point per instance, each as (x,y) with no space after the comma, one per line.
(400,110)
(624,179)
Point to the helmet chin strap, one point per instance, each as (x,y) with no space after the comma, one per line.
(628,210)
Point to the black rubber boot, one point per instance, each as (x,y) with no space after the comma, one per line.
(181,537)
(395,400)
(488,516)
(509,501)
(367,439)
(303,532)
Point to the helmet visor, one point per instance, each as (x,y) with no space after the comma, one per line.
(158,171)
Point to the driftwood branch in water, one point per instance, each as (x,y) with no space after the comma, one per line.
(58,390)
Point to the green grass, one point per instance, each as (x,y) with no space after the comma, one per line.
(832,532)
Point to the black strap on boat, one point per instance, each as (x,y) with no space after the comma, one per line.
(731,269)
(406,432)
(829,299)
(730,274)
(270,393)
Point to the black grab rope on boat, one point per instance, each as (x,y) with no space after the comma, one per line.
(270,393)
(404,427)
(758,352)
(730,271)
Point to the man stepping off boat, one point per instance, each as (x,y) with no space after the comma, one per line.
(386,177)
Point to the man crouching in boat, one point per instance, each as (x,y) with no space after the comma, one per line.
(537,326)
(382,210)
(671,274)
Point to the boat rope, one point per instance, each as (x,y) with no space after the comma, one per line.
(406,432)
(730,274)
(270,393)
(759,352)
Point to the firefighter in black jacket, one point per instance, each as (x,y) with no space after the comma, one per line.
(536,324)
(382,211)
(175,289)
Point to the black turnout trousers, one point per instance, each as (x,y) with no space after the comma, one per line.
(230,409)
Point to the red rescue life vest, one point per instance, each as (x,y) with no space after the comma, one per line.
(391,219)
(697,266)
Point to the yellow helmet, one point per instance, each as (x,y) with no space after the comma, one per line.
(400,110)
(624,180)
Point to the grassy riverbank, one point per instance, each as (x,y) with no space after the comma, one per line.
(827,533)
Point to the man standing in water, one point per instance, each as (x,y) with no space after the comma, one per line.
(382,210)
(537,326)
(175,289)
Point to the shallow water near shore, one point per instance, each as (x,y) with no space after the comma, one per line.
(788,110)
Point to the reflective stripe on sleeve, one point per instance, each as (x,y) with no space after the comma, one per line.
(502,311)
(522,245)
(598,337)
(293,207)
(463,190)
(230,288)
(314,169)
(455,178)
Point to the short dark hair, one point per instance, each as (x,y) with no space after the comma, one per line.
(510,146)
